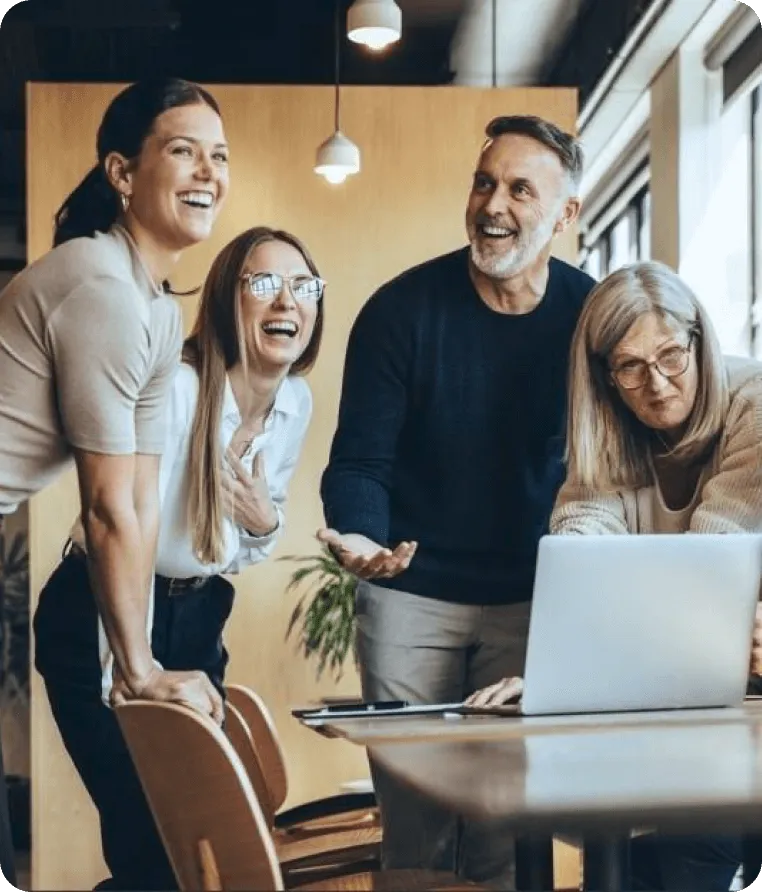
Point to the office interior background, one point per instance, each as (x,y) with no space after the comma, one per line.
(668,105)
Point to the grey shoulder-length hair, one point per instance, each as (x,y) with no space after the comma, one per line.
(607,446)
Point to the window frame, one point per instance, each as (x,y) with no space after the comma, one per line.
(636,210)
(755,217)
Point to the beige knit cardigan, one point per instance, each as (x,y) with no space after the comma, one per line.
(731,497)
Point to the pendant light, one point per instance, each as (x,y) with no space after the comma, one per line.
(375,23)
(338,157)
(494,43)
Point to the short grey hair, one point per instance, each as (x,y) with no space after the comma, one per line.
(607,447)
(565,146)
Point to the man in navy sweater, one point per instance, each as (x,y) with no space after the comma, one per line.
(447,458)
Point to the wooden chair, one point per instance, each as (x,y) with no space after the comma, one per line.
(335,849)
(347,810)
(210,820)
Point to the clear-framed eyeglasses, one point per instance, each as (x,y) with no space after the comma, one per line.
(266,286)
(670,363)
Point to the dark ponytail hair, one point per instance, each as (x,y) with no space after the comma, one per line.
(94,206)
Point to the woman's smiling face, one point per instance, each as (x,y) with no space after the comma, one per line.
(178,182)
(278,325)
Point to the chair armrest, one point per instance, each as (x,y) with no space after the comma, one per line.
(330,806)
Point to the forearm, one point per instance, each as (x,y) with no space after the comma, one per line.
(120,557)
(582,511)
(355,502)
(148,515)
(583,520)
(357,484)
(254,549)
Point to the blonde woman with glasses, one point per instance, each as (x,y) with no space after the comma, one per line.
(236,420)
(664,432)
(664,435)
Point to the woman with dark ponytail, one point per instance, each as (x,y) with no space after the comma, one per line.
(89,344)
(92,207)
(97,202)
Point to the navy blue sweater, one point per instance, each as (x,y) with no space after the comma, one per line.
(451,429)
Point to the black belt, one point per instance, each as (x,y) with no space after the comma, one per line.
(175,584)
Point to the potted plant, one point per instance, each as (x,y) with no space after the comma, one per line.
(324,616)
(14,665)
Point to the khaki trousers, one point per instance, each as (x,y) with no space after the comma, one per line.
(427,651)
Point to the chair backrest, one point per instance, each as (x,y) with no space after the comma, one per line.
(265,735)
(210,821)
(238,733)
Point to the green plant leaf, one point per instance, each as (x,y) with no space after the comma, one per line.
(14,618)
(324,616)
(298,576)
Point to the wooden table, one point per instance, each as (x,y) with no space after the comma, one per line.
(594,776)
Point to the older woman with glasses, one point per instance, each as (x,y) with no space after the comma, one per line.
(236,420)
(664,432)
(664,435)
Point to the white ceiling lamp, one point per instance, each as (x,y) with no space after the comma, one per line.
(494,43)
(338,157)
(375,23)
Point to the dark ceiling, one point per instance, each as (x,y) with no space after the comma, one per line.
(212,41)
(238,41)
(246,41)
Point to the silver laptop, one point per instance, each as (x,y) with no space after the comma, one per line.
(641,622)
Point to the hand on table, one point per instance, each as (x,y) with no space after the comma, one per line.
(366,558)
(507,690)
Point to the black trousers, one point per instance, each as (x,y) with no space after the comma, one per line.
(684,863)
(186,635)
(7,864)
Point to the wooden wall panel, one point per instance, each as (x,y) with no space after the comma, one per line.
(418,147)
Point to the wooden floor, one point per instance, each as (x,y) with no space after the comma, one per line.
(566,863)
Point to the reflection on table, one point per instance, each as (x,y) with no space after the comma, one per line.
(673,777)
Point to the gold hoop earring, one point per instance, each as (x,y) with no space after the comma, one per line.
(125,199)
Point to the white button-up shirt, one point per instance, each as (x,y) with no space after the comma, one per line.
(280,443)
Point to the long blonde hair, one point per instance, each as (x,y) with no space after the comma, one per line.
(216,343)
(607,446)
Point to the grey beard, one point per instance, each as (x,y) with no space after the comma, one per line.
(516,260)
(499,267)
